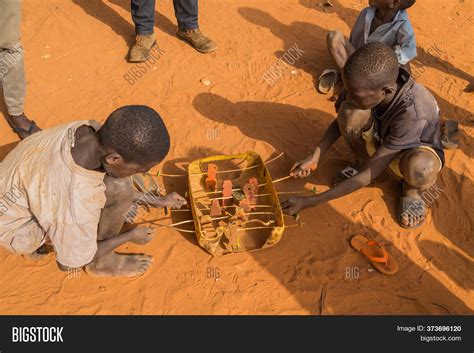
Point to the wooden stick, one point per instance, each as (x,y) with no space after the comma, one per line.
(172,175)
(222,171)
(181,230)
(179,223)
(231,197)
(274,159)
(258,206)
(240,169)
(253,228)
(247,214)
(292,192)
(240,189)
(151,222)
(193,231)
(277,180)
(227,171)
(214,192)
(259,221)
(216,198)
(281,179)
(166,175)
(268,194)
(178,229)
(213,219)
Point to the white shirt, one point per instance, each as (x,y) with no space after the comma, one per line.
(398,34)
(45,195)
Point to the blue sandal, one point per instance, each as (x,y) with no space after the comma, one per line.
(23,133)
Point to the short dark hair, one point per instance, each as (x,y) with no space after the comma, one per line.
(405,4)
(137,133)
(374,64)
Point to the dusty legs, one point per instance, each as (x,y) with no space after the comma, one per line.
(119,194)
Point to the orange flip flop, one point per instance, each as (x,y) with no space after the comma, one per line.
(378,257)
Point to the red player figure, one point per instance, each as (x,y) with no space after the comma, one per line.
(240,214)
(215,208)
(227,192)
(211,180)
(244,204)
(254,181)
(250,190)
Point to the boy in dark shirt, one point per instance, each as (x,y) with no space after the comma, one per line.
(390,121)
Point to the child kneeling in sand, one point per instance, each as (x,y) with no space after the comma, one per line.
(70,187)
(390,121)
(384,21)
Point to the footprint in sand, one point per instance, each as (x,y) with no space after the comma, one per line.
(303,268)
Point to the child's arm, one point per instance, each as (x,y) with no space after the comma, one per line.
(303,168)
(172,200)
(375,165)
(406,48)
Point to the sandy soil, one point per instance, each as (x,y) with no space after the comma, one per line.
(75,53)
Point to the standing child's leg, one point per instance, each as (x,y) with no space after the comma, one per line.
(186,12)
(143,16)
(12,76)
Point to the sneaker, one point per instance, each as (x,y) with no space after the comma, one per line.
(200,42)
(140,50)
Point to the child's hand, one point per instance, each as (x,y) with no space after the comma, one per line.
(303,168)
(293,205)
(173,200)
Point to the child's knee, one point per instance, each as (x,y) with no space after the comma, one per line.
(420,168)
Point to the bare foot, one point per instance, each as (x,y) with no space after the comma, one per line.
(412,209)
(141,235)
(120,265)
(410,220)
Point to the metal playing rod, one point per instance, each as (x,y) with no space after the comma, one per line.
(222,171)
(254,228)
(239,169)
(240,189)
(267,194)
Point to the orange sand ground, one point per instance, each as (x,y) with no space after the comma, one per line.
(75,53)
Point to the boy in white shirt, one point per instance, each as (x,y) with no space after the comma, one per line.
(384,21)
(70,187)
